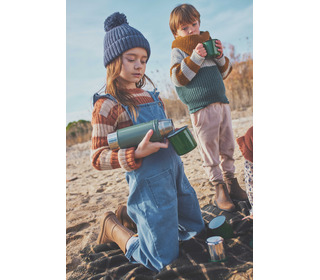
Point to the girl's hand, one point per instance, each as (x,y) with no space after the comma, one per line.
(200,50)
(220,48)
(146,148)
(250,217)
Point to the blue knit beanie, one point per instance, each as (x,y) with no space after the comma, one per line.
(120,37)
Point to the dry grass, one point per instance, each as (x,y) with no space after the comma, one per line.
(239,84)
(174,107)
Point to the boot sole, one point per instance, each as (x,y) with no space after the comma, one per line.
(238,198)
(227,210)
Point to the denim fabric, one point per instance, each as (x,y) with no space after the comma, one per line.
(161,201)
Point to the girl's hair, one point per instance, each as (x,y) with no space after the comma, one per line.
(113,86)
(182,14)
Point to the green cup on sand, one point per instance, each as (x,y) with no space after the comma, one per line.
(219,226)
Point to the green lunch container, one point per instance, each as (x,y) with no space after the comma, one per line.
(219,226)
(210,46)
(182,140)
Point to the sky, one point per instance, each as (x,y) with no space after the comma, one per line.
(231,21)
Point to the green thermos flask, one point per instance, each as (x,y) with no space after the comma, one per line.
(131,136)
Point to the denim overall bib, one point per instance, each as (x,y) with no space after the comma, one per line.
(161,200)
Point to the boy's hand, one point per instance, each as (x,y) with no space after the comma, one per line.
(146,148)
(200,50)
(220,48)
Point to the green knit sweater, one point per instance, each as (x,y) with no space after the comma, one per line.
(198,80)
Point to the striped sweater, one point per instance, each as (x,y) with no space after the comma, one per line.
(107,117)
(198,80)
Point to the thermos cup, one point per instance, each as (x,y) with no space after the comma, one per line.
(211,49)
(216,249)
(182,140)
(219,226)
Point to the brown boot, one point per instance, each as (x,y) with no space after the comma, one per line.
(112,231)
(235,190)
(123,217)
(223,200)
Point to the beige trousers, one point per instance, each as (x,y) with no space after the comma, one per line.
(212,128)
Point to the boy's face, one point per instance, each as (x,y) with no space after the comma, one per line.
(188,29)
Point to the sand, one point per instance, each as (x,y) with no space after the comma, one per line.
(90,193)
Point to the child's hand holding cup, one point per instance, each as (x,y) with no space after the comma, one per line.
(213,48)
(200,50)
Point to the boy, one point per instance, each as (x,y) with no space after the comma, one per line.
(199,84)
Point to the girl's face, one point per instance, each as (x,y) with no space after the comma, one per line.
(188,29)
(133,67)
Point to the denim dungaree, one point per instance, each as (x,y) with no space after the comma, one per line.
(161,200)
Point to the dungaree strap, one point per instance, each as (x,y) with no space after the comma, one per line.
(97,96)
(123,106)
(154,94)
(111,97)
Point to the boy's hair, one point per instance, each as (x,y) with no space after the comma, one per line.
(113,87)
(182,14)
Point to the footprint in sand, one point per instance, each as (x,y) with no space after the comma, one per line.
(78,227)
(73,238)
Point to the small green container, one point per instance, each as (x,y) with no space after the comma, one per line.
(182,140)
(210,46)
(219,226)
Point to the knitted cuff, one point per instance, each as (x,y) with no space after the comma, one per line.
(226,68)
(127,160)
(220,61)
(196,58)
(114,159)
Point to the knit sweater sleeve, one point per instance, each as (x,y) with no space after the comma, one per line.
(106,118)
(184,68)
(224,66)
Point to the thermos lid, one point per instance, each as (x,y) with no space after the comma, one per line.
(113,140)
(217,222)
(165,126)
(215,240)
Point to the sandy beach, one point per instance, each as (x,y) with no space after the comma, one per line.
(90,193)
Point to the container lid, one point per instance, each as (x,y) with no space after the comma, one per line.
(173,133)
(215,240)
(217,222)
(165,126)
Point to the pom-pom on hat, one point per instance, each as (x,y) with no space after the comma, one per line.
(120,37)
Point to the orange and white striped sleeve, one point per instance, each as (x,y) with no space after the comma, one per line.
(183,67)
(224,66)
(106,118)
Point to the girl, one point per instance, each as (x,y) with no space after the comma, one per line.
(246,147)
(161,201)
